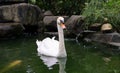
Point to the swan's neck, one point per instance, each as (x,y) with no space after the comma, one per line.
(62,51)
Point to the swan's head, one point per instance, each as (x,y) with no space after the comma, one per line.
(60,22)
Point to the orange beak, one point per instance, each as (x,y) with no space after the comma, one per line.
(63,25)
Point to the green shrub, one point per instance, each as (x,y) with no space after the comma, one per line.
(97,10)
(61,7)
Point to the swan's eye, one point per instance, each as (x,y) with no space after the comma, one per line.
(61,21)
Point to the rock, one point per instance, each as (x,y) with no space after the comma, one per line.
(48,13)
(24,13)
(40,27)
(34,29)
(95,27)
(27,15)
(10,29)
(108,38)
(107,59)
(6,14)
(107,27)
(50,22)
(74,24)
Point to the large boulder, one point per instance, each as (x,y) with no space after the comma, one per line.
(51,24)
(95,27)
(74,24)
(24,13)
(16,16)
(10,29)
(48,13)
(108,38)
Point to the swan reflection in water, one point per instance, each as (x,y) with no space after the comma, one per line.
(51,61)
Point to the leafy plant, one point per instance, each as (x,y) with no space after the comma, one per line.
(93,12)
(61,7)
(97,10)
(32,1)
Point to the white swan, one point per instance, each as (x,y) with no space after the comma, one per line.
(52,47)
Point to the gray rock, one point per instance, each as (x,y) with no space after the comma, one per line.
(95,27)
(50,22)
(108,38)
(6,13)
(48,13)
(74,24)
(10,29)
(24,13)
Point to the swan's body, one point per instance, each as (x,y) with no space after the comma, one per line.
(52,47)
(48,47)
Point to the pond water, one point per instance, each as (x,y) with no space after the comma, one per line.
(20,56)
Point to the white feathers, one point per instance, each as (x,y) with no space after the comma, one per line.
(52,47)
(48,46)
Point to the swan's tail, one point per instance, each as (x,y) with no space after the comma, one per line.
(53,38)
(38,43)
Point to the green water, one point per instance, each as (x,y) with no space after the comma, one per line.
(20,56)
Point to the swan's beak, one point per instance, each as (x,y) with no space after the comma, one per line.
(63,25)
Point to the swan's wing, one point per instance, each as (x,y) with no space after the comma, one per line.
(53,38)
(38,43)
(49,47)
(55,43)
(50,43)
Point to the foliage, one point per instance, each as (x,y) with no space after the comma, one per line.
(32,1)
(61,7)
(112,11)
(93,12)
(97,10)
